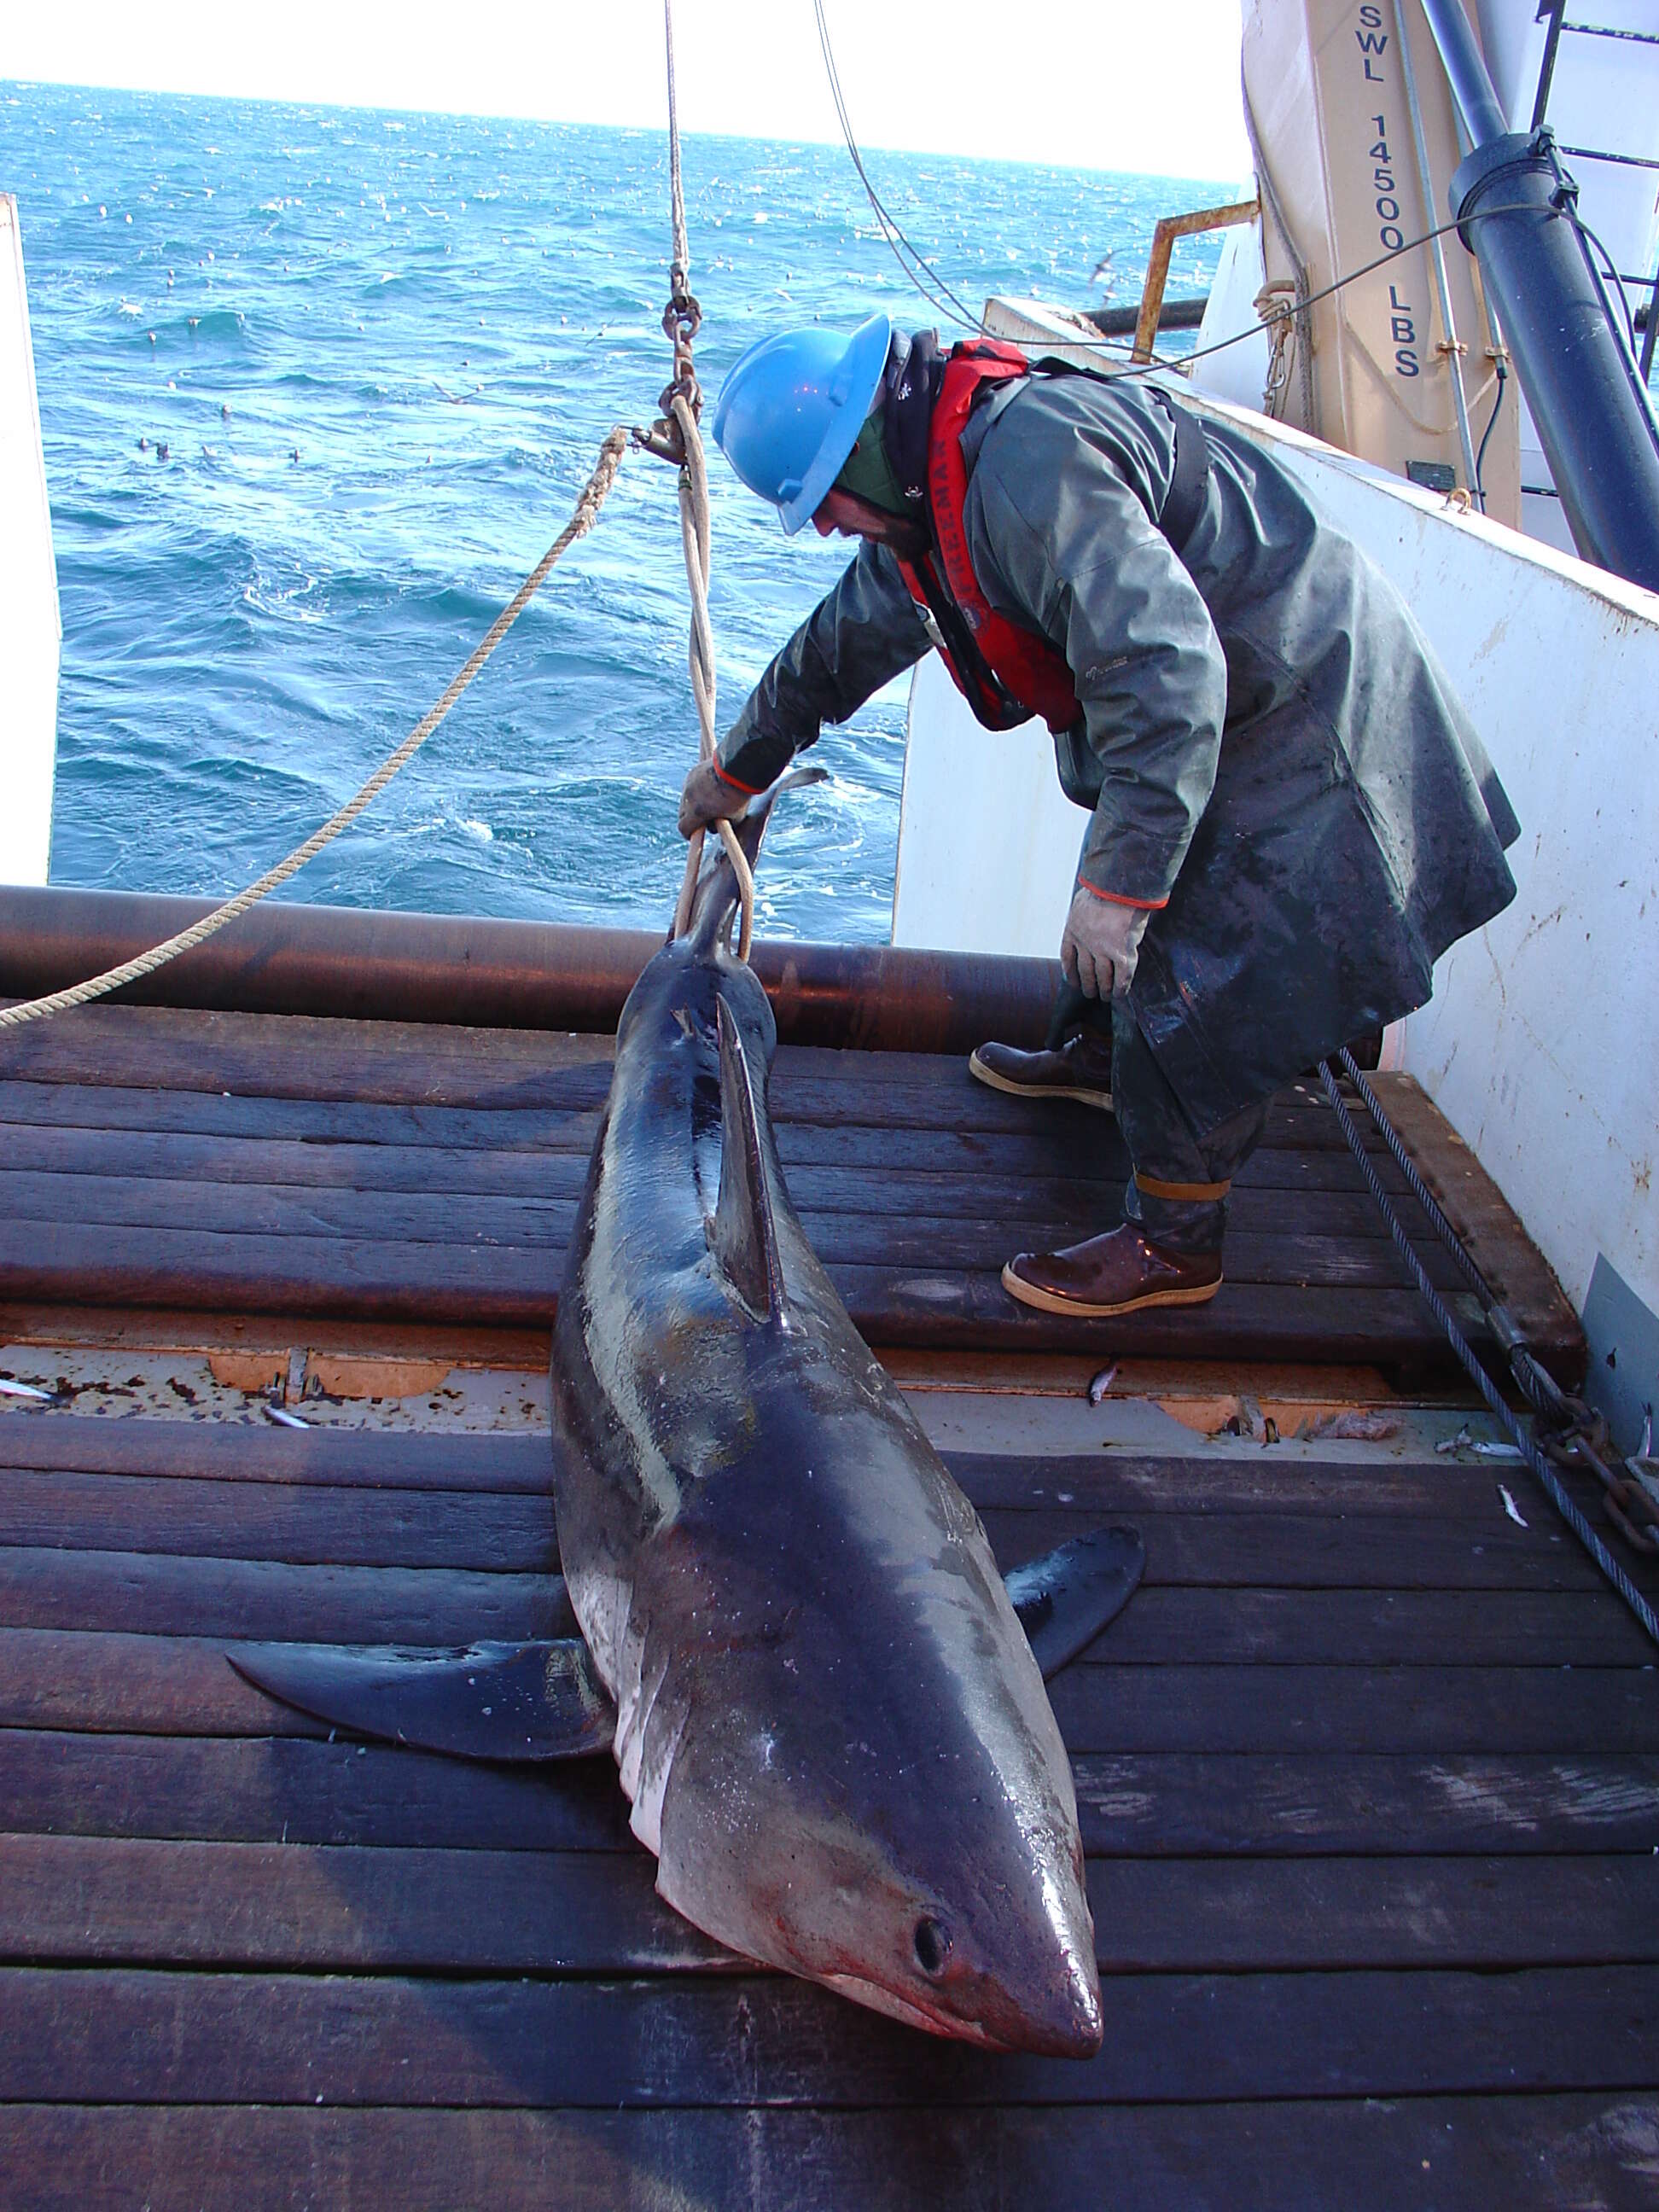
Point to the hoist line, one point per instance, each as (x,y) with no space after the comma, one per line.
(679,249)
(682,400)
(585,513)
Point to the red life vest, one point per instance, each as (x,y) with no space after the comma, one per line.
(1006,672)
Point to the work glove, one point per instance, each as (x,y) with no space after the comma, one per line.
(707,798)
(1100,944)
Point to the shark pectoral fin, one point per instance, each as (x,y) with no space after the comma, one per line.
(743,1235)
(1068,1597)
(506,1701)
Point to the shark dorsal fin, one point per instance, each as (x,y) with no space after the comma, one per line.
(743,1235)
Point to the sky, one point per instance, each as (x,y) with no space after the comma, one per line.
(1105,84)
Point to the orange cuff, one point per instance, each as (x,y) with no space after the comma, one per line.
(748,790)
(1192,1193)
(1122,898)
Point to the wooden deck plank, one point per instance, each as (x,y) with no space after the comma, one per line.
(1270,1182)
(517,1288)
(101,1503)
(1552,2153)
(128,2036)
(1286,1248)
(1083,1143)
(321,1908)
(273,1788)
(177,1683)
(174,1469)
(50,1520)
(189,1594)
(254,1451)
(1561,1711)
(315,1524)
(1401,1628)
(264,1598)
(394,1063)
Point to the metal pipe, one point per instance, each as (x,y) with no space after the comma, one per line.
(1183,314)
(1515,211)
(1466,71)
(1426,180)
(362,965)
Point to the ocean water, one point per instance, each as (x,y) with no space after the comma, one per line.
(374,355)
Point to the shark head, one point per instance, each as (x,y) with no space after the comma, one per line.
(868,1788)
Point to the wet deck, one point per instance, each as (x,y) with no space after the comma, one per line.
(1369,1770)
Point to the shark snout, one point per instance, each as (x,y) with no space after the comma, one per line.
(1067,2022)
(1045,1996)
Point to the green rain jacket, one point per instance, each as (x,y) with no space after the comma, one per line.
(1271,756)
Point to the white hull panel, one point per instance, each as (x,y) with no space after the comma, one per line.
(1541,1044)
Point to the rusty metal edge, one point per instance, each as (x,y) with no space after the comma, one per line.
(378,966)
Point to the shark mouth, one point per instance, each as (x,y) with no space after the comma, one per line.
(878,1999)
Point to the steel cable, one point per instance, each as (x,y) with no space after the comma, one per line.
(932,285)
(1477,1373)
(1568,1416)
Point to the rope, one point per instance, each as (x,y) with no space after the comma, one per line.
(679,438)
(1477,1373)
(694,538)
(1296,329)
(594,495)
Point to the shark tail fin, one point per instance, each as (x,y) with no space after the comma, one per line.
(716,898)
(743,1235)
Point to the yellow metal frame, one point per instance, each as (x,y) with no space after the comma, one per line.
(1170,228)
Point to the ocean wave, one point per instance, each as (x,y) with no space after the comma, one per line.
(245,633)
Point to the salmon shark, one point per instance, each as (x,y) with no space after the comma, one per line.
(825,1705)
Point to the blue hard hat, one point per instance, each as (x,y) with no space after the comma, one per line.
(790,412)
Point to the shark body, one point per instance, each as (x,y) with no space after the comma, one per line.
(824,1709)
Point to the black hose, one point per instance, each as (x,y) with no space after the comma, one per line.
(1486,438)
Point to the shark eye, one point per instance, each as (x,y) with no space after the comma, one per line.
(932,1943)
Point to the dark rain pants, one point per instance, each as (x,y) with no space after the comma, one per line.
(1163,1148)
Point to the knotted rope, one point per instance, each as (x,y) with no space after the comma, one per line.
(594,495)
